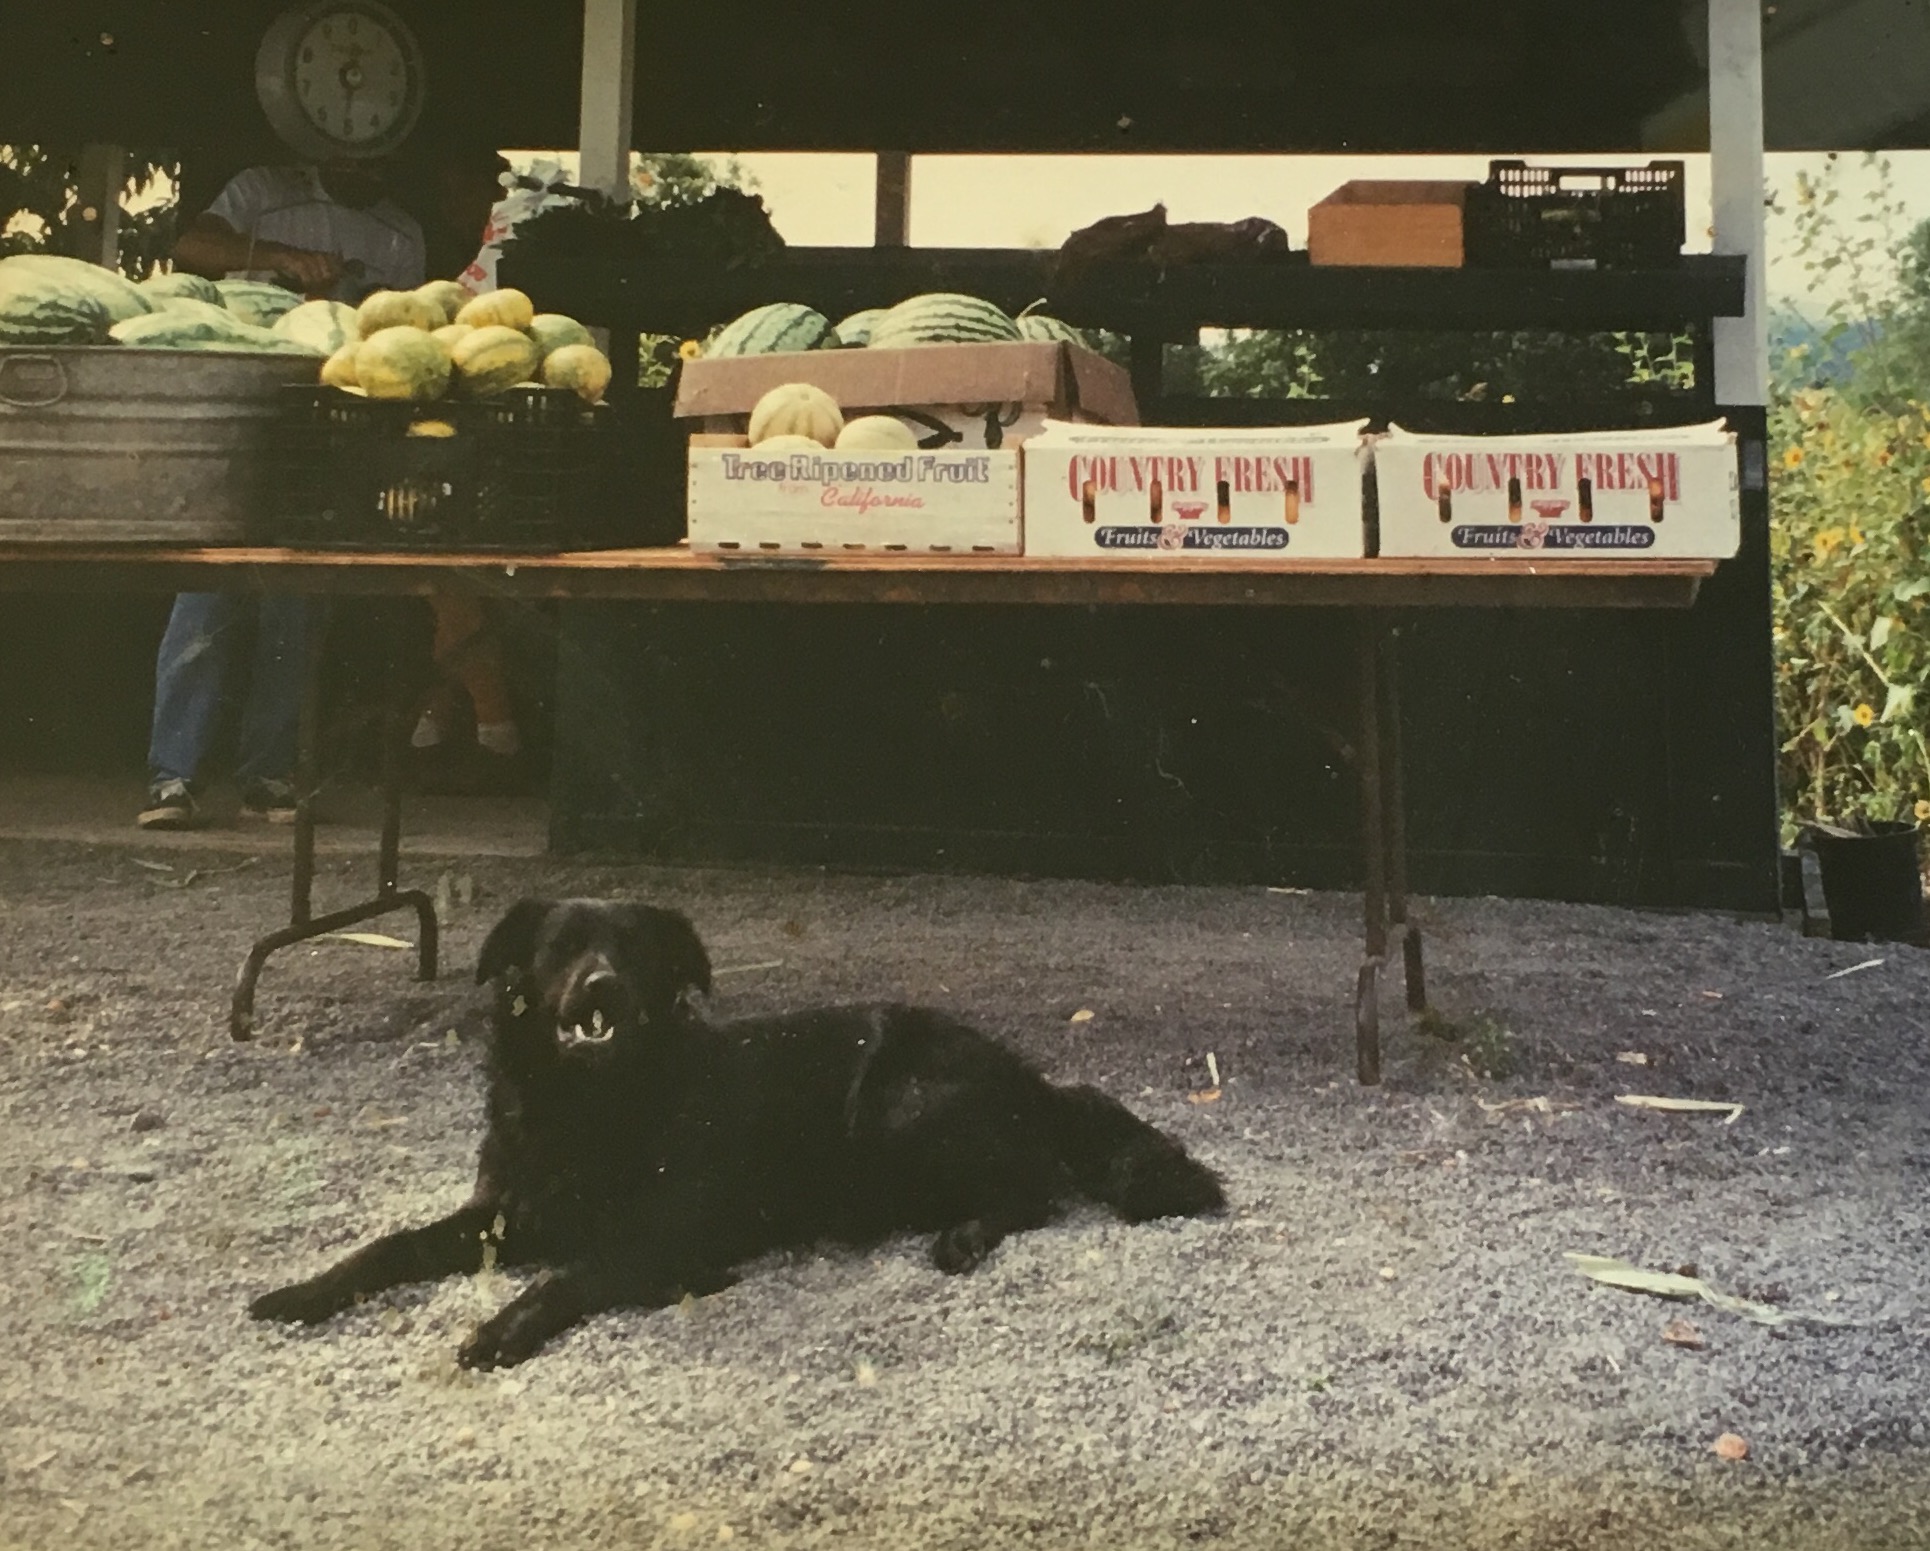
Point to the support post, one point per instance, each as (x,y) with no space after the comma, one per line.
(892,225)
(604,117)
(1736,179)
(102,171)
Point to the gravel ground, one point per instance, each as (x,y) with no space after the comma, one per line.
(1381,1347)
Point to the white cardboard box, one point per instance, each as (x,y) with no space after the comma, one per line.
(1670,493)
(945,501)
(1265,492)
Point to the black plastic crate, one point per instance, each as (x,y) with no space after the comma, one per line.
(526,470)
(1600,217)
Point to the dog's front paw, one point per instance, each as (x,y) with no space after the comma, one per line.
(301,1304)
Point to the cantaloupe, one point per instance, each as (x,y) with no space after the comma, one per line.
(789,443)
(796,408)
(883,433)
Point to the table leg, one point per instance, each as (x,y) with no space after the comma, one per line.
(1393,786)
(1373,853)
(303,923)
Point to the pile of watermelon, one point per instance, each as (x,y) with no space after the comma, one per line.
(935,318)
(436,340)
(49,300)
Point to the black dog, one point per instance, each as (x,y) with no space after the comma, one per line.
(638,1153)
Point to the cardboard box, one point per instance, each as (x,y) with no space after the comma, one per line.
(1264,492)
(1403,224)
(941,501)
(978,396)
(1670,493)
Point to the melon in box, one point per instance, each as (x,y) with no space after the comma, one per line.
(1668,493)
(984,395)
(821,501)
(1276,492)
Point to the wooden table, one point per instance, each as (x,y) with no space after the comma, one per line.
(1372,589)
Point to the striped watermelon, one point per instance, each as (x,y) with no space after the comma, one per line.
(1038,327)
(256,301)
(780,328)
(856,329)
(943,318)
(162,289)
(41,309)
(121,297)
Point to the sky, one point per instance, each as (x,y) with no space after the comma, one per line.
(1021,201)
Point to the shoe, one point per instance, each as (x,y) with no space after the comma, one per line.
(170,805)
(272,802)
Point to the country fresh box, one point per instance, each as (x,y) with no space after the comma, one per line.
(1668,493)
(1265,492)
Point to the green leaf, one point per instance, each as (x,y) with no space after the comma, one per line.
(1899,701)
(1880,631)
(1912,587)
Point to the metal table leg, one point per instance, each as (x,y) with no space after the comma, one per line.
(1394,791)
(1373,852)
(304,924)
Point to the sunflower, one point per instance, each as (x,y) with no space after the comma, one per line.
(1864,714)
(1793,458)
(690,349)
(1922,809)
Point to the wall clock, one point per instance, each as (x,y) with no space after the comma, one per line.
(340,79)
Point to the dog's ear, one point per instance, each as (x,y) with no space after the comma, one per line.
(678,962)
(511,943)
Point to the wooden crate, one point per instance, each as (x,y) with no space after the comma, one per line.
(1416,223)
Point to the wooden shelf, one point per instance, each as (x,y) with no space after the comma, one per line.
(1132,299)
(678,575)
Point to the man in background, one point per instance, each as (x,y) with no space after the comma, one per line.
(328,231)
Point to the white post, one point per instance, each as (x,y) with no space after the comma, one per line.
(1737,181)
(102,170)
(609,82)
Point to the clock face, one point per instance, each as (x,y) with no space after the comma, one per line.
(351,78)
(340,78)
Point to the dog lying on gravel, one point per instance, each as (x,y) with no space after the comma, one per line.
(637,1153)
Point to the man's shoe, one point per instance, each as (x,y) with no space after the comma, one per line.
(170,805)
(271,802)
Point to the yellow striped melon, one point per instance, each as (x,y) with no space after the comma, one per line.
(448,295)
(397,309)
(492,358)
(338,371)
(401,362)
(553,331)
(508,307)
(581,368)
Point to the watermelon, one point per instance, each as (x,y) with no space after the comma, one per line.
(856,329)
(780,328)
(176,328)
(40,309)
(177,283)
(256,301)
(493,357)
(1038,327)
(122,298)
(324,326)
(942,318)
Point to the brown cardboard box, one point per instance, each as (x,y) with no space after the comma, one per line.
(990,395)
(1404,224)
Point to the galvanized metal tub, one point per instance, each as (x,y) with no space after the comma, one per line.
(100,444)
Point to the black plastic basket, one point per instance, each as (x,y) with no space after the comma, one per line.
(526,470)
(1582,217)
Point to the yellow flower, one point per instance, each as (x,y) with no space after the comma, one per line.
(1882,459)
(1793,458)
(1827,542)
(1856,534)
(1864,714)
(690,350)
(1922,809)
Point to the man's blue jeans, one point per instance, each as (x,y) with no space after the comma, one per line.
(195,668)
